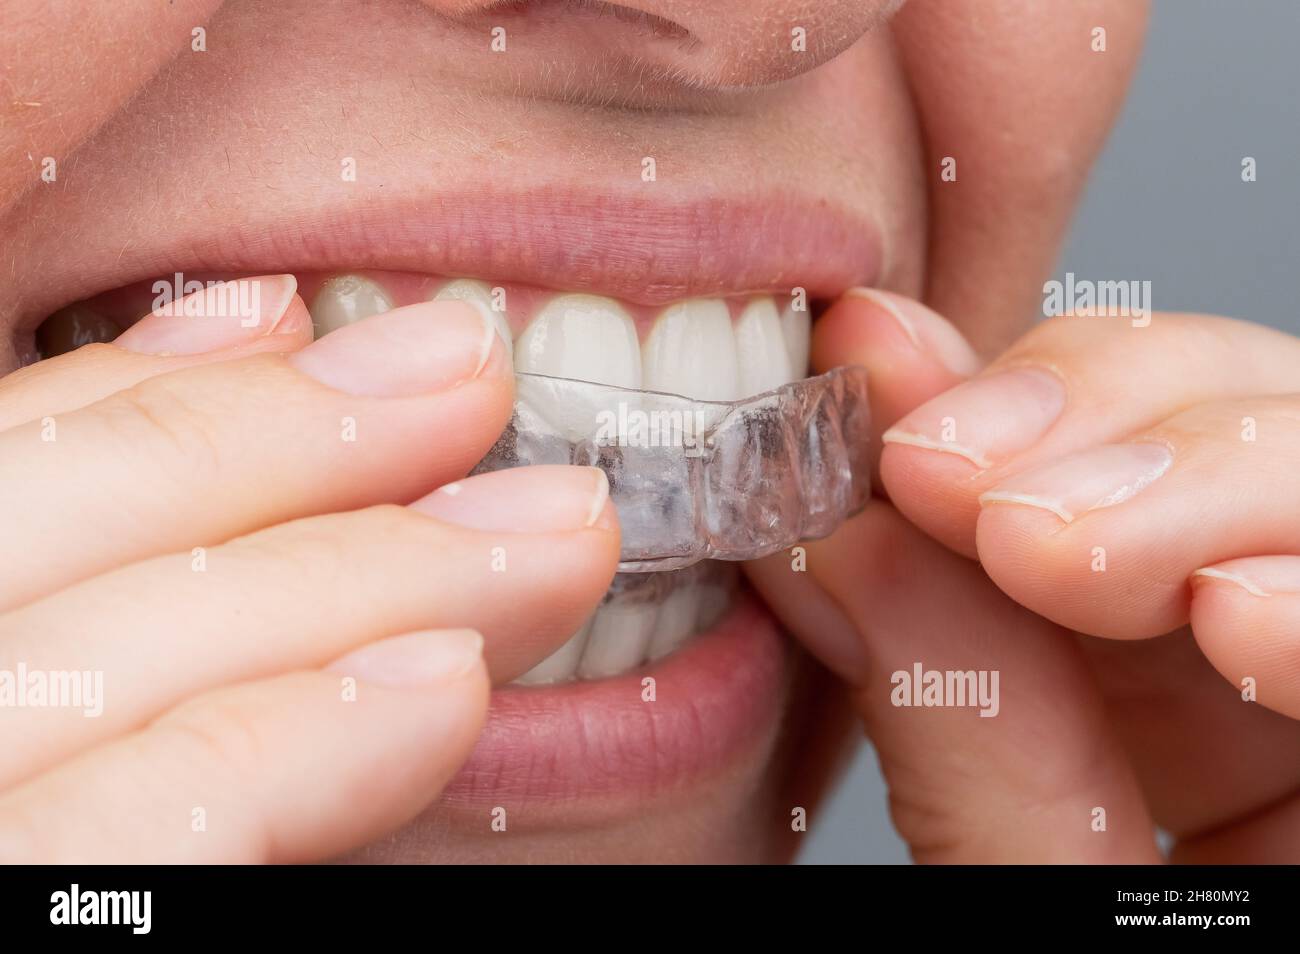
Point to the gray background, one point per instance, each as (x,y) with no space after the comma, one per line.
(1219,80)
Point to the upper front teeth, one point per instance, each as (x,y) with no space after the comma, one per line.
(797,330)
(762,355)
(584,337)
(692,348)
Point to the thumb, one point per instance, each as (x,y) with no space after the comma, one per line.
(1040,777)
(1027,770)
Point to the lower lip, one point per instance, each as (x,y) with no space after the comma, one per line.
(717,700)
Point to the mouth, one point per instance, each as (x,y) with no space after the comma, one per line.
(677,674)
(640,249)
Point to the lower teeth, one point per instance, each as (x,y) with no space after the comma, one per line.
(643,617)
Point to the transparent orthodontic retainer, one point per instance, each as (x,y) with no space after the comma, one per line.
(703,480)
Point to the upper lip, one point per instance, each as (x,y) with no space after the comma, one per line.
(639,249)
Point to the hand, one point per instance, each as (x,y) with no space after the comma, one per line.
(1135,479)
(279,662)
(1137,729)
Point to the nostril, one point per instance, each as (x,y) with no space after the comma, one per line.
(699,44)
(542,11)
(641,19)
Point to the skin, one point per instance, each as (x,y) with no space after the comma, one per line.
(865,119)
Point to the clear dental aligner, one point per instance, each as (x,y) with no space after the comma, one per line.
(703,480)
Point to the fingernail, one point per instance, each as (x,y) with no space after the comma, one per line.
(924,329)
(214,318)
(414,660)
(1258,576)
(1236,579)
(905,323)
(1092,480)
(544,499)
(988,419)
(418,349)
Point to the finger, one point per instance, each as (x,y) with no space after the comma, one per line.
(910,353)
(1246,618)
(199,329)
(381,411)
(1105,540)
(1023,784)
(1069,384)
(237,775)
(523,556)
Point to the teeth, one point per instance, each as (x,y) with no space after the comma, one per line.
(691,351)
(584,337)
(761,351)
(797,328)
(620,634)
(561,665)
(344,299)
(70,328)
(677,621)
(479,294)
(714,600)
(644,617)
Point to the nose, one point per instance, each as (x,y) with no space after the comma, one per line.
(705,43)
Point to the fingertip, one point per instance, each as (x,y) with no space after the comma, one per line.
(1022,549)
(1245,615)
(909,352)
(416,660)
(923,484)
(1014,545)
(924,330)
(539,499)
(1091,575)
(605,517)
(295,326)
(1259,576)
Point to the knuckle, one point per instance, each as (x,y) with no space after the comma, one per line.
(392,520)
(223,742)
(317,552)
(222,737)
(156,412)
